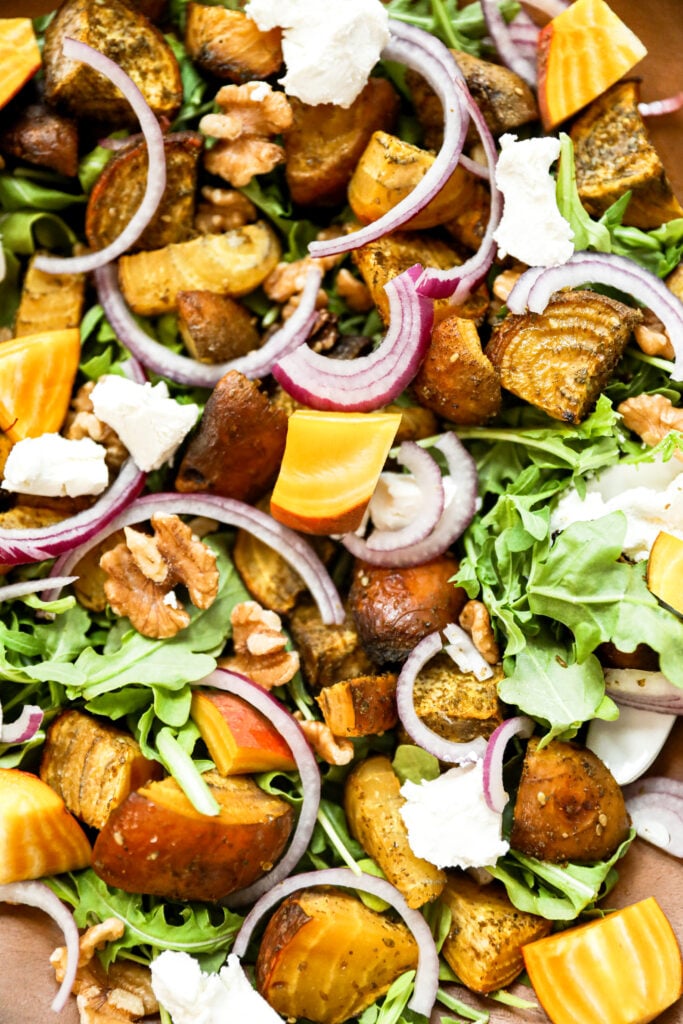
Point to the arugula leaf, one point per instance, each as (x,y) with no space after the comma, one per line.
(588,233)
(545,684)
(414,763)
(151,924)
(461,29)
(17,193)
(558,892)
(24,231)
(584,585)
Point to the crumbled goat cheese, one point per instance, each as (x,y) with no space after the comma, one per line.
(329,47)
(464,653)
(192,997)
(650,494)
(149,423)
(56,467)
(449,822)
(397,499)
(532,229)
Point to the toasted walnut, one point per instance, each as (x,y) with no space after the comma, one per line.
(143,571)
(651,416)
(652,338)
(223,210)
(506,281)
(251,113)
(82,422)
(260,646)
(355,292)
(330,748)
(123,993)
(475,620)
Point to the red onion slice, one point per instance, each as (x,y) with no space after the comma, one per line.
(290,730)
(185,370)
(293,548)
(445,750)
(504,43)
(37,894)
(427,55)
(494,790)
(534,289)
(22,728)
(459,281)
(654,784)
(455,518)
(371,381)
(73,49)
(38,543)
(658,818)
(428,478)
(668,105)
(427,974)
(12,590)
(645,691)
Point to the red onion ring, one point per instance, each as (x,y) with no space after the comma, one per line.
(41,542)
(37,894)
(445,750)
(428,478)
(658,818)
(293,548)
(654,784)
(184,369)
(73,49)
(427,55)
(133,370)
(290,730)
(645,691)
(12,590)
(22,728)
(474,167)
(505,44)
(534,289)
(454,519)
(668,105)
(427,974)
(494,790)
(459,281)
(371,381)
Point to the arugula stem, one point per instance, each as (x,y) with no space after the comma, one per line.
(451,1003)
(509,436)
(183,769)
(661,364)
(327,825)
(444,22)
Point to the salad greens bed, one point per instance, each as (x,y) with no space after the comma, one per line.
(552,601)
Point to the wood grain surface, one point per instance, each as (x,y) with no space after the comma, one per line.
(27,938)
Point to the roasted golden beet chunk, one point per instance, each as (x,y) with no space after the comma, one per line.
(118,192)
(42,136)
(328,654)
(568,806)
(214,327)
(613,154)
(456,704)
(238,448)
(230,45)
(560,360)
(363,706)
(325,142)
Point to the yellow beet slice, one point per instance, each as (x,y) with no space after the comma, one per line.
(664,568)
(19,56)
(37,373)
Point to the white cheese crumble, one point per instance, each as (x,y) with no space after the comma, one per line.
(464,653)
(397,499)
(650,495)
(532,229)
(192,997)
(56,467)
(149,423)
(329,46)
(449,822)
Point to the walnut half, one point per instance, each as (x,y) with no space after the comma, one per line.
(260,646)
(143,572)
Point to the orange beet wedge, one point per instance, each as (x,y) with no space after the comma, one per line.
(19,56)
(330,468)
(665,570)
(581,53)
(38,836)
(37,373)
(621,969)
(238,737)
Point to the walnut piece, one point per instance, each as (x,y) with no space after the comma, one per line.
(143,571)
(260,646)
(652,417)
(119,995)
(652,338)
(82,422)
(329,748)
(250,114)
(354,291)
(475,620)
(224,209)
